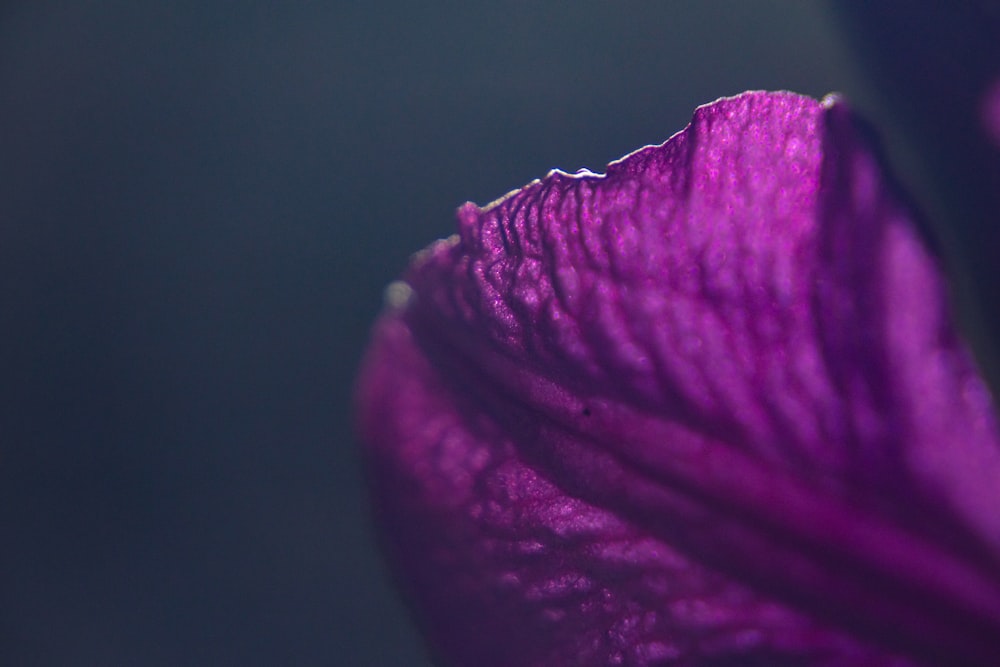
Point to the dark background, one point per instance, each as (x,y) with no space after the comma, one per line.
(200,203)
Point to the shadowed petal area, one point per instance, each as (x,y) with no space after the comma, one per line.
(937,65)
(705,409)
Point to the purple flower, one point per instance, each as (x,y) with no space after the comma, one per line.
(706,409)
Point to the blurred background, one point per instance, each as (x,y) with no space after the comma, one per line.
(200,204)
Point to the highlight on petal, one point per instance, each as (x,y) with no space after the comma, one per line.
(705,409)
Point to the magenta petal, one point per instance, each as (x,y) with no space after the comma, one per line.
(707,407)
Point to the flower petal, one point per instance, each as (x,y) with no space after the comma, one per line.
(707,406)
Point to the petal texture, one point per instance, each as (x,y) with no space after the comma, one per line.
(704,409)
